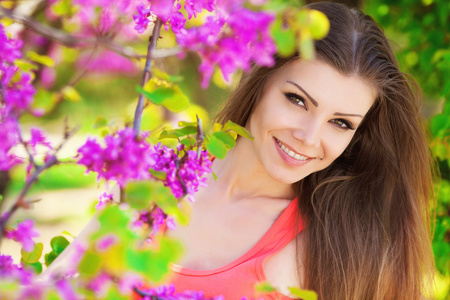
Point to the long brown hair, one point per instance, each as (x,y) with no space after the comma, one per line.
(367,233)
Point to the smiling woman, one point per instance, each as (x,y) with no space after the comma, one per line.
(341,135)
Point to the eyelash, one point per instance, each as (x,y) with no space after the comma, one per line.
(299,100)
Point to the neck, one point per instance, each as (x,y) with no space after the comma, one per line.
(241,175)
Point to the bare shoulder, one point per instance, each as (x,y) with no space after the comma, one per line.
(281,269)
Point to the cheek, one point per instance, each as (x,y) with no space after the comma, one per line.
(336,143)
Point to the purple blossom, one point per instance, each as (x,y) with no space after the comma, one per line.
(186,172)
(105,242)
(141,19)
(66,290)
(10,270)
(24,234)
(8,138)
(163,9)
(9,48)
(38,138)
(196,6)
(246,38)
(168,292)
(103,200)
(123,158)
(107,62)
(99,283)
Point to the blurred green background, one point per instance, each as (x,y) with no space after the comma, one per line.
(105,99)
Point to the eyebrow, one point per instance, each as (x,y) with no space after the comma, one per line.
(316,104)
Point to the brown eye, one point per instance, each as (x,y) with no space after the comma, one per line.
(296,99)
(343,124)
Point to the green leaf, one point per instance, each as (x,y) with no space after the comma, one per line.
(100,122)
(304,294)
(50,257)
(177,133)
(170,97)
(90,264)
(36,266)
(216,147)
(63,8)
(188,141)
(34,255)
(70,94)
(59,243)
(41,59)
(138,194)
(238,129)
(154,265)
(439,124)
(226,138)
(158,174)
(184,124)
(25,65)
(165,76)
(284,38)
(45,100)
(264,287)
(306,45)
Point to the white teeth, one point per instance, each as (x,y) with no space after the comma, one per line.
(291,153)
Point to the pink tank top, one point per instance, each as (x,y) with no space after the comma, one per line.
(238,278)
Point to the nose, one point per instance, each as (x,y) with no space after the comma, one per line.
(308,132)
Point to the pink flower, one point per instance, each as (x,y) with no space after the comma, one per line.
(141,19)
(38,138)
(24,234)
(163,9)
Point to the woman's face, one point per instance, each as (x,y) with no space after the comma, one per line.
(306,117)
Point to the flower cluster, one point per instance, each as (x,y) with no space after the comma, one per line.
(169,293)
(9,138)
(24,234)
(16,89)
(184,175)
(231,39)
(9,270)
(123,158)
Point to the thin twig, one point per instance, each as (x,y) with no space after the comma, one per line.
(72,41)
(20,201)
(200,137)
(30,156)
(146,76)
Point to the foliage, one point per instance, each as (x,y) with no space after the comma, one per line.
(419,29)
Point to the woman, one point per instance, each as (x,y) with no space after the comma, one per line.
(333,193)
(340,135)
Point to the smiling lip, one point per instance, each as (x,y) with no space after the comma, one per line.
(290,156)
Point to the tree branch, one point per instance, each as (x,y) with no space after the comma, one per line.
(20,201)
(72,41)
(147,75)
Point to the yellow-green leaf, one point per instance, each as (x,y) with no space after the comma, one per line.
(90,264)
(34,255)
(138,194)
(306,45)
(264,287)
(226,138)
(216,147)
(304,294)
(284,38)
(237,129)
(70,93)
(319,24)
(41,59)
(25,65)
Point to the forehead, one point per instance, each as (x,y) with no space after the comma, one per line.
(323,83)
